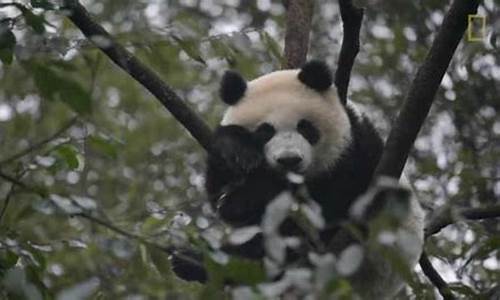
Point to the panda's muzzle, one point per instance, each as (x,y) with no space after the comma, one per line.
(288,151)
(290,163)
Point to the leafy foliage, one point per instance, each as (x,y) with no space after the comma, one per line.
(128,163)
(7,44)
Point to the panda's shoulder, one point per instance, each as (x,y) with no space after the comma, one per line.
(357,112)
(363,127)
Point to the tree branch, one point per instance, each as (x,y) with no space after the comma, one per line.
(136,237)
(449,216)
(39,144)
(122,232)
(418,103)
(435,278)
(352,17)
(6,201)
(130,64)
(103,223)
(441,219)
(298,26)
(423,89)
(21,184)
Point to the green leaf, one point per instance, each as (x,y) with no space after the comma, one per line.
(339,287)
(464,290)
(7,45)
(104,146)
(8,259)
(69,155)
(191,48)
(38,259)
(73,94)
(45,4)
(62,65)
(46,80)
(160,261)
(34,21)
(54,86)
(240,270)
(221,49)
(273,46)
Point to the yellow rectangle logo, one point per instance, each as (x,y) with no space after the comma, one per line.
(476,29)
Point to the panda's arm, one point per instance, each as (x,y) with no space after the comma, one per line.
(239,183)
(235,152)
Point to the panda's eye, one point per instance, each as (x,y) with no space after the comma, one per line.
(264,132)
(308,131)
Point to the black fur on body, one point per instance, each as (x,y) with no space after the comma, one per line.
(240,183)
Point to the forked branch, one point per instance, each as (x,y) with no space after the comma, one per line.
(423,89)
(352,17)
(449,216)
(435,278)
(144,75)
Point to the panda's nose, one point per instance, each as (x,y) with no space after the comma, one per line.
(289,162)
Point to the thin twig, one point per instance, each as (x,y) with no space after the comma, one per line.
(130,64)
(121,231)
(110,226)
(141,239)
(423,89)
(449,216)
(435,278)
(6,202)
(352,17)
(20,184)
(298,27)
(10,193)
(41,143)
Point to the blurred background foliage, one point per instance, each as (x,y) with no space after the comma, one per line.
(85,137)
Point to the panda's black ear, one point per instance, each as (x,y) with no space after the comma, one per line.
(316,75)
(232,87)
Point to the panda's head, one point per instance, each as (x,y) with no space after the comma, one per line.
(295,114)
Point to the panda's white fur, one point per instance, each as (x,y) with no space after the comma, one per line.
(377,278)
(338,168)
(278,98)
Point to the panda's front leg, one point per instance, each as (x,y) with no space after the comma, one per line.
(235,149)
(239,185)
(239,182)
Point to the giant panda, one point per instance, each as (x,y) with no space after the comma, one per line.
(293,121)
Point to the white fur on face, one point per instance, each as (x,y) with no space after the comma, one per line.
(281,100)
(288,144)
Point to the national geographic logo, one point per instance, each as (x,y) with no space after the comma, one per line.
(476,29)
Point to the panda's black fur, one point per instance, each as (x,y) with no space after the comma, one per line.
(352,174)
(242,185)
(240,182)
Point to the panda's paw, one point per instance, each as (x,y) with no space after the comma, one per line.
(386,198)
(187,265)
(237,148)
(243,161)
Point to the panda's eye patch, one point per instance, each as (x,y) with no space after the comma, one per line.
(264,132)
(308,131)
